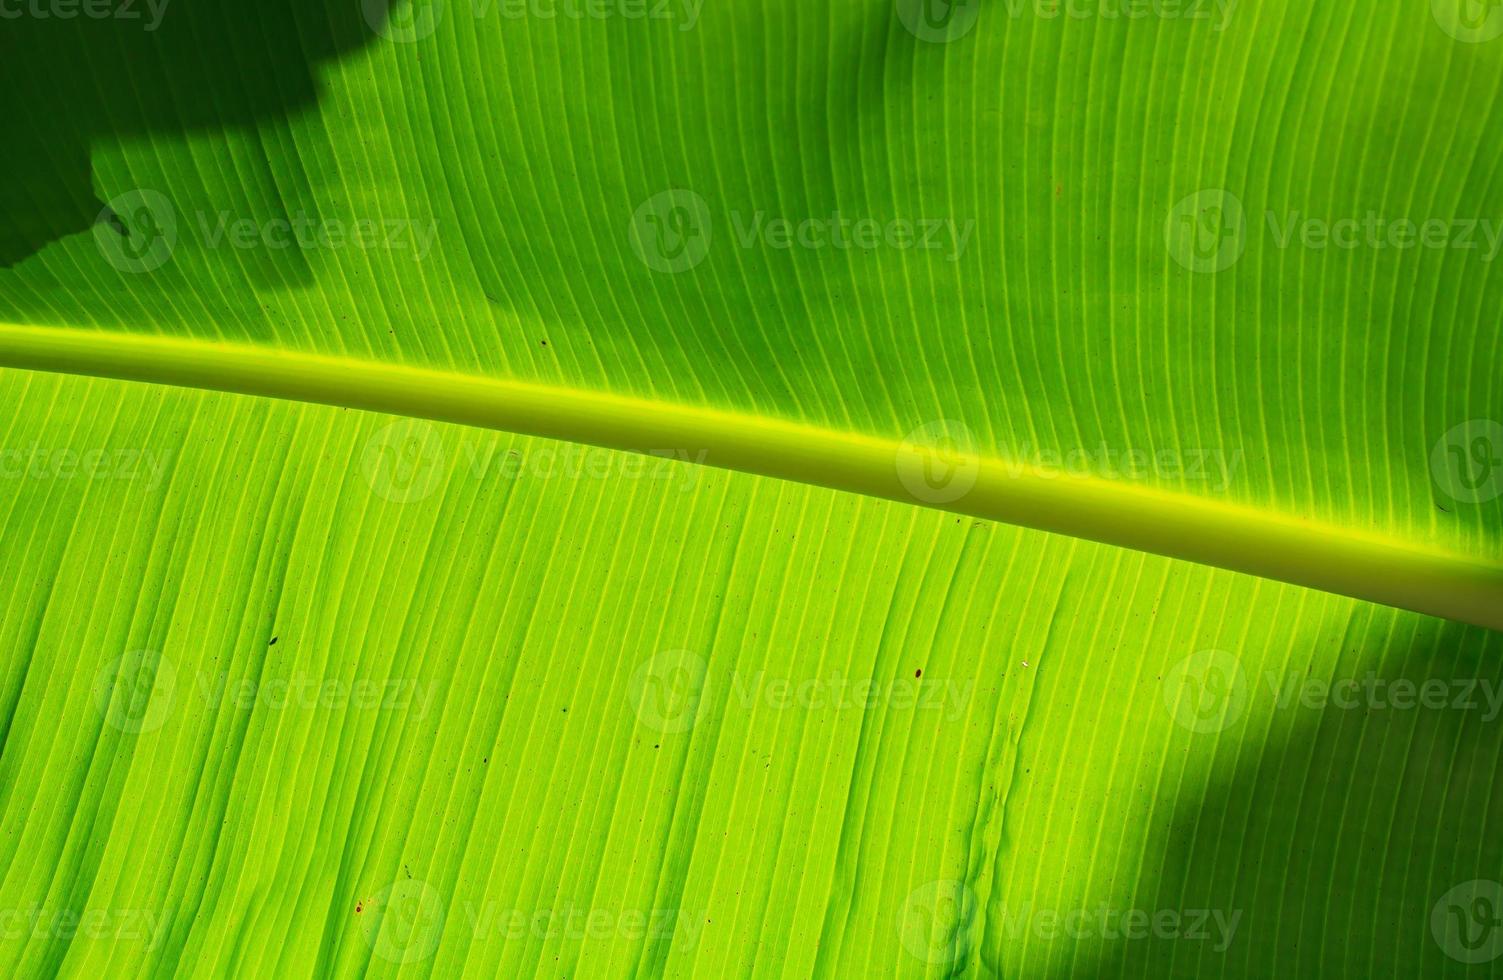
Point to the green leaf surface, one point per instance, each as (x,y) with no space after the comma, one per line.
(493,493)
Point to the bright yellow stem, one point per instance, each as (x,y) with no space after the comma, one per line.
(1180,526)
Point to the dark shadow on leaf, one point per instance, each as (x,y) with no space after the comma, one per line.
(1361,840)
(117,69)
